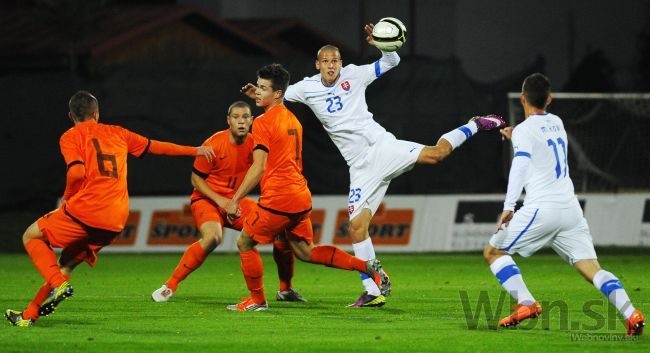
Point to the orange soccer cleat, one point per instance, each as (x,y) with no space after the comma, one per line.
(248,304)
(521,313)
(635,323)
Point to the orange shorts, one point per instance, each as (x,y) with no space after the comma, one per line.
(204,210)
(78,241)
(264,225)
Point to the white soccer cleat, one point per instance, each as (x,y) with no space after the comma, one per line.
(162,294)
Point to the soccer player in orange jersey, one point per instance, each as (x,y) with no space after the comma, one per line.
(95,202)
(285,202)
(214,185)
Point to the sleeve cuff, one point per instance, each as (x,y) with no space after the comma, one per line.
(200,173)
(146,149)
(261,147)
(73,163)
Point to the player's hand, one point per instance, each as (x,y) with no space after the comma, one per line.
(504,220)
(249,90)
(506,133)
(233,210)
(368,29)
(207,152)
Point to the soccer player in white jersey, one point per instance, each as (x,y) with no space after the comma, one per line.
(551,213)
(336,95)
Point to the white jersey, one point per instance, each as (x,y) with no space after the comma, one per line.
(542,138)
(342,108)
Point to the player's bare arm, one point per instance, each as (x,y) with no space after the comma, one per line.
(202,186)
(252,178)
(504,219)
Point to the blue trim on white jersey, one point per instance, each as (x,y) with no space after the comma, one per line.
(522,232)
(363,276)
(466,131)
(377,69)
(522,154)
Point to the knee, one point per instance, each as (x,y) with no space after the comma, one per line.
(358,228)
(210,242)
(32,232)
(490,254)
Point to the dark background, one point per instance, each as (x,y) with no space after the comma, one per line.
(168,70)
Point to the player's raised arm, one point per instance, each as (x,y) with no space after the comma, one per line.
(388,60)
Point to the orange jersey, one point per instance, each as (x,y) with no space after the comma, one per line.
(227,170)
(102,200)
(284,188)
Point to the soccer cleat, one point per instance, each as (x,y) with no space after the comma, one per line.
(488,122)
(57,295)
(162,294)
(16,318)
(289,296)
(368,300)
(248,304)
(635,323)
(377,273)
(521,313)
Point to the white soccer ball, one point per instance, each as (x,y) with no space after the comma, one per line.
(389,34)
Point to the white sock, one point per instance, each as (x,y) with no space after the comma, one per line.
(457,136)
(508,274)
(365,251)
(612,288)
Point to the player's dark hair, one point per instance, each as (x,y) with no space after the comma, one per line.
(238,104)
(537,88)
(277,74)
(327,47)
(82,105)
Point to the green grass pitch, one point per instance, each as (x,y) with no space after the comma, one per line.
(111,310)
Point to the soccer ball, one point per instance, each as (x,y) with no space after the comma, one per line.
(389,34)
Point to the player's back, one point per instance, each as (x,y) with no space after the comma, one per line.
(103,200)
(284,188)
(226,172)
(542,138)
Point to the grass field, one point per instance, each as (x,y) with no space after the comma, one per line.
(112,310)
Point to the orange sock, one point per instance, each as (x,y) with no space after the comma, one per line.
(31,312)
(284,259)
(251,266)
(332,256)
(44,260)
(191,260)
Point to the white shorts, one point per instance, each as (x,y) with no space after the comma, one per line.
(370,176)
(565,229)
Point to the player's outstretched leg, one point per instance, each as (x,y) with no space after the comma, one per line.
(363,249)
(332,256)
(506,271)
(193,258)
(284,260)
(613,289)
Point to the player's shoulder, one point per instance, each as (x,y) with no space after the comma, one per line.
(216,138)
(307,82)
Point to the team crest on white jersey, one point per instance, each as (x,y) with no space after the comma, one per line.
(345,85)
